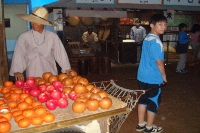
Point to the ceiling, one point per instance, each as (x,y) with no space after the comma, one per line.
(72,5)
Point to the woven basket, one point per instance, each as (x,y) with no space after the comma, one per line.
(87,21)
(73,21)
(101,32)
(106,33)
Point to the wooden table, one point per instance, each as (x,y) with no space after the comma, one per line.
(66,118)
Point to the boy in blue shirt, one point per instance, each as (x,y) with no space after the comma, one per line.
(182,48)
(151,73)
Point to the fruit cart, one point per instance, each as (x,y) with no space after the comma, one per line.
(100,121)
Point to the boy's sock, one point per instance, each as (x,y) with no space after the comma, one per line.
(149,128)
(142,125)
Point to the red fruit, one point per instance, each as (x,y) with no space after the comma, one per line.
(63,103)
(26,89)
(57,84)
(35,92)
(73,95)
(43,97)
(30,81)
(19,83)
(55,95)
(42,87)
(51,104)
(63,95)
(50,88)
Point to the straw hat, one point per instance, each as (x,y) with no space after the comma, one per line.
(39,15)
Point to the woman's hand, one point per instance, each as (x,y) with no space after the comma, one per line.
(19,76)
(68,71)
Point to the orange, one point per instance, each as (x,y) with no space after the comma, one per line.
(16,113)
(14,109)
(41,81)
(12,104)
(29,100)
(23,105)
(19,117)
(48,118)
(24,123)
(8,83)
(7,95)
(23,95)
(28,113)
(19,91)
(5,126)
(36,120)
(36,103)
(39,111)
(7,114)
(14,96)
(2,118)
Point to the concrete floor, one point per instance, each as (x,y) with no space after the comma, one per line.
(179,111)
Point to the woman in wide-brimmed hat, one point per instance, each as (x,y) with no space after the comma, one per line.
(38,49)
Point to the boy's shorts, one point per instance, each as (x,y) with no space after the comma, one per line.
(152,98)
(195,47)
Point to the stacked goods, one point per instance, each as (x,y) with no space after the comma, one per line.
(22,107)
(30,102)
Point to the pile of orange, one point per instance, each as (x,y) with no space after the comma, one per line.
(22,107)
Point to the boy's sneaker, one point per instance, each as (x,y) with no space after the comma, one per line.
(181,71)
(140,128)
(154,129)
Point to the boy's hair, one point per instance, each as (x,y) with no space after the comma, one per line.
(181,26)
(90,29)
(157,18)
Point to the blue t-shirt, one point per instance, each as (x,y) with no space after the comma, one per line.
(152,50)
(183,38)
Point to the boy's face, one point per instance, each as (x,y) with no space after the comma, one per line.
(184,28)
(158,28)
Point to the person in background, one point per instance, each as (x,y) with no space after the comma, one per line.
(194,43)
(138,32)
(38,49)
(182,48)
(151,74)
(90,38)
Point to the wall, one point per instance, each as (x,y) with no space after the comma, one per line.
(17,25)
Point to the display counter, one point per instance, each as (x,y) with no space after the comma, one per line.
(66,117)
(126,52)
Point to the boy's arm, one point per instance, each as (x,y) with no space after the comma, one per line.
(161,68)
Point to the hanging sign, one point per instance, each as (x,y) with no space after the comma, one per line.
(58,19)
(95,1)
(169,14)
(182,2)
(155,2)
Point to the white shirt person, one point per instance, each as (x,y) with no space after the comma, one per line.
(38,49)
(138,32)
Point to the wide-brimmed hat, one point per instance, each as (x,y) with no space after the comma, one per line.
(39,15)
